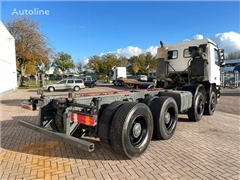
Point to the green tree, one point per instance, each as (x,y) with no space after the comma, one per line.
(135,68)
(109,61)
(56,71)
(151,62)
(94,64)
(30,44)
(131,61)
(123,61)
(79,67)
(63,61)
(141,61)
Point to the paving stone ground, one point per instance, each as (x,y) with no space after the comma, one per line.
(208,149)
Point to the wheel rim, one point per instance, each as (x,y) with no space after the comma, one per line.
(212,105)
(138,131)
(169,119)
(137,128)
(200,106)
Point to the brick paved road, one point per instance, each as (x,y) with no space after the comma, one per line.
(209,149)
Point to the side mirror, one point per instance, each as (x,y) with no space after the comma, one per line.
(221,56)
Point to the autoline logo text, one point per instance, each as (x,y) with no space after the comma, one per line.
(30,12)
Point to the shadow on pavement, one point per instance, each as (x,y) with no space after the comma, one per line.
(12,102)
(15,137)
(230,94)
(184,120)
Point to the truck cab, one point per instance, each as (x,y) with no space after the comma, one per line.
(179,58)
(192,66)
(118,72)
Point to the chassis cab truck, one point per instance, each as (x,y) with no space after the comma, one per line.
(126,121)
(192,66)
(118,72)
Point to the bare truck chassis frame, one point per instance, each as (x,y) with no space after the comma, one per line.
(89,106)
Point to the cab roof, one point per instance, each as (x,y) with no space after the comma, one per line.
(196,42)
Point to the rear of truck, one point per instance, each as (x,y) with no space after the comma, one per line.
(124,121)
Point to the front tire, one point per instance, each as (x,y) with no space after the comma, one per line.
(131,129)
(195,113)
(211,105)
(51,89)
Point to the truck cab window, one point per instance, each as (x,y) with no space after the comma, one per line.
(186,53)
(173,54)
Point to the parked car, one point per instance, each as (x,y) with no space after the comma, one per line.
(150,79)
(74,84)
(237,68)
(142,78)
(89,81)
(231,82)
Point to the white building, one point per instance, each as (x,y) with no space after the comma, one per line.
(8,70)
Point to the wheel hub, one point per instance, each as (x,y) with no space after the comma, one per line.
(167,117)
(200,107)
(213,104)
(137,129)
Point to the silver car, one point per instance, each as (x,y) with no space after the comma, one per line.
(74,84)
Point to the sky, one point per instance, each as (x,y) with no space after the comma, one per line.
(84,29)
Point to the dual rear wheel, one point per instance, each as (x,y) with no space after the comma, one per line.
(127,128)
(201,108)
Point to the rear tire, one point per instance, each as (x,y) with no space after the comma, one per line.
(131,129)
(76,88)
(57,124)
(105,123)
(148,100)
(58,120)
(211,104)
(165,116)
(195,113)
(92,85)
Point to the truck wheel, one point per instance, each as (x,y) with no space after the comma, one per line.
(165,116)
(58,120)
(195,113)
(58,124)
(148,100)
(131,129)
(51,89)
(210,106)
(76,88)
(53,125)
(105,122)
(92,85)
